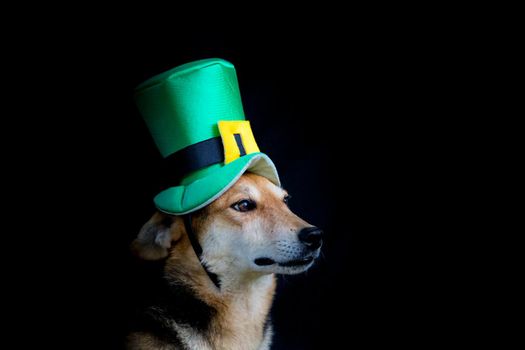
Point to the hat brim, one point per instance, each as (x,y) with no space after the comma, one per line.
(184,199)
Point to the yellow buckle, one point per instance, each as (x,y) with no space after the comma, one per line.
(237,139)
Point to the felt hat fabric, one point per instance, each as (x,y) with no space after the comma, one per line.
(194,113)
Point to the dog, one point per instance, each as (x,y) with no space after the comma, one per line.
(247,235)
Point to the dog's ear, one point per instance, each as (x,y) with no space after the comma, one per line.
(156,236)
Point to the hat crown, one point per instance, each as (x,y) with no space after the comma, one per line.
(182,106)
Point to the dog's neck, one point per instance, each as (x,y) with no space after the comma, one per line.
(232,317)
(245,319)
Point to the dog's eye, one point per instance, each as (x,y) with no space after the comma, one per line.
(286,199)
(244,205)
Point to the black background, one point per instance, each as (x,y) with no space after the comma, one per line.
(352,121)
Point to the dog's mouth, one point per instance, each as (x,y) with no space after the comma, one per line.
(289,263)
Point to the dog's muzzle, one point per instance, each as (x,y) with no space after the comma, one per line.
(311,239)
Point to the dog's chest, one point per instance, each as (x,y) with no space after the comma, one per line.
(241,336)
(242,324)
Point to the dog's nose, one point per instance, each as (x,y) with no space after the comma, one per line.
(312,237)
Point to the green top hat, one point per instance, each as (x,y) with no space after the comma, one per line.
(194,113)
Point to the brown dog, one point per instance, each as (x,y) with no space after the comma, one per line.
(247,235)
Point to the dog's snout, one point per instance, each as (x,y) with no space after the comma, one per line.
(312,237)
